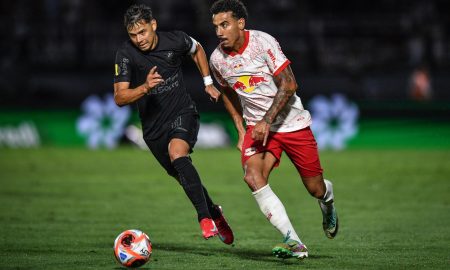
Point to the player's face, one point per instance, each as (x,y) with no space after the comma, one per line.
(229,30)
(143,35)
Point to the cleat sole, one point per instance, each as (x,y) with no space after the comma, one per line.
(282,253)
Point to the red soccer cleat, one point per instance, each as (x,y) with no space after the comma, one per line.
(208,227)
(225,232)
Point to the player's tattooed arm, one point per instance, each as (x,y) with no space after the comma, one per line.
(287,86)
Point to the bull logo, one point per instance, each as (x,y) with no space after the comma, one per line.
(248,83)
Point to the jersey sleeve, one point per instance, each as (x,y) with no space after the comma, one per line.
(275,58)
(217,75)
(122,67)
(184,42)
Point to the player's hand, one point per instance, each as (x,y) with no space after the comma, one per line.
(213,93)
(153,79)
(261,131)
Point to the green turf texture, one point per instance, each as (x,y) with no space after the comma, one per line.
(62,209)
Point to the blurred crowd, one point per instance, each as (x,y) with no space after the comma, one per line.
(57,51)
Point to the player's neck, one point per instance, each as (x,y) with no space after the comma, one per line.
(240,42)
(155,43)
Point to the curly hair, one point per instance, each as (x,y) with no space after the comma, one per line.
(235,6)
(136,13)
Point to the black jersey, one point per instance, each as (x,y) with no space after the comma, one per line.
(162,104)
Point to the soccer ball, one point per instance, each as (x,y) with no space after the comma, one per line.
(132,248)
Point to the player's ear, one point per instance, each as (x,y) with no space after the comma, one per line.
(241,24)
(154,24)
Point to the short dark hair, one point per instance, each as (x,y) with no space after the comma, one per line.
(136,13)
(235,6)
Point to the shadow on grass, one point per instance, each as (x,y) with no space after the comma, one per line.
(241,252)
(126,268)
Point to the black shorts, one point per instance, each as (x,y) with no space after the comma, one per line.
(184,127)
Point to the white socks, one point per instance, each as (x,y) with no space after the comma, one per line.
(273,210)
(329,196)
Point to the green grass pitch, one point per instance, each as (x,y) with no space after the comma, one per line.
(62,209)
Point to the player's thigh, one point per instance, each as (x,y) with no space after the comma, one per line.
(258,160)
(301,148)
(269,154)
(257,169)
(178,148)
(185,127)
(159,149)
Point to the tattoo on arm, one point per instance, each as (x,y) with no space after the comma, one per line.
(287,86)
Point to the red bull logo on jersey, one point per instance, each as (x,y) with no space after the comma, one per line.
(237,65)
(248,83)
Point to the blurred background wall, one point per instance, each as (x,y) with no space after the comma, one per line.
(390,58)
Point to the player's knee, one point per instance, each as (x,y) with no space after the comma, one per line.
(316,190)
(315,187)
(176,155)
(177,149)
(254,180)
(317,193)
(248,178)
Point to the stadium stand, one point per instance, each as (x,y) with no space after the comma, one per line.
(58,52)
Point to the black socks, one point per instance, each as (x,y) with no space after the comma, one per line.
(191,183)
(213,209)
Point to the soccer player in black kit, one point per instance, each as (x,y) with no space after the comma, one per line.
(148,72)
